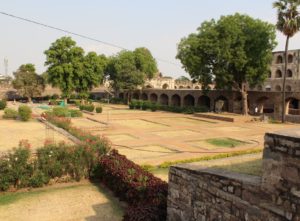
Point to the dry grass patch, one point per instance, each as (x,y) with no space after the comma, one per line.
(120,137)
(176,133)
(140,124)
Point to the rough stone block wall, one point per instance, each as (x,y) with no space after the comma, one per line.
(197,193)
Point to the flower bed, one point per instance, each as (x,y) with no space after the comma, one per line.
(145,193)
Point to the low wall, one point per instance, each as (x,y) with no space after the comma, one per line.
(203,194)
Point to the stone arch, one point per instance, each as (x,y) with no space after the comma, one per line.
(189,101)
(165,86)
(188,87)
(288,88)
(153,97)
(293,106)
(121,96)
(197,87)
(180,87)
(144,96)
(164,99)
(204,101)
(238,105)
(289,73)
(149,86)
(136,96)
(175,100)
(279,59)
(277,88)
(278,74)
(264,105)
(226,105)
(290,58)
(175,87)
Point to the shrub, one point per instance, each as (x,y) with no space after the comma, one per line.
(60,112)
(146,105)
(134,185)
(55,96)
(2,104)
(38,179)
(89,107)
(153,107)
(53,102)
(24,112)
(10,113)
(75,113)
(99,109)
(138,104)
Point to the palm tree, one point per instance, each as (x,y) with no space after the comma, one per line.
(288,22)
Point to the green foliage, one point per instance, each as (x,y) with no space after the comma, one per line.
(225,142)
(38,179)
(75,113)
(128,69)
(24,112)
(98,109)
(27,82)
(10,113)
(234,51)
(60,112)
(89,107)
(70,70)
(2,104)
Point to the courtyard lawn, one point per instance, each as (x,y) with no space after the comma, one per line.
(77,201)
(225,142)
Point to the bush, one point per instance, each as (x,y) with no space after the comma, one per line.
(134,185)
(2,104)
(138,104)
(38,179)
(10,113)
(75,113)
(153,107)
(89,107)
(98,109)
(60,112)
(146,105)
(24,112)
(55,96)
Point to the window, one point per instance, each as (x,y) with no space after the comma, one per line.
(289,73)
(290,58)
(278,74)
(279,59)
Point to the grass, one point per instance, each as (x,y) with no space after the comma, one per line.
(251,168)
(9,198)
(225,142)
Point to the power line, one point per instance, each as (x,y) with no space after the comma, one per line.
(79,35)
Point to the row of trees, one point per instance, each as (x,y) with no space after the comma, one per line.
(70,70)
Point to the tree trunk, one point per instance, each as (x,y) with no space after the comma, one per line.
(129,97)
(284,79)
(244,99)
(66,101)
(29,100)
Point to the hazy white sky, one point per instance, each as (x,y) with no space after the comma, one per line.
(156,24)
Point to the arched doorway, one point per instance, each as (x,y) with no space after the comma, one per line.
(144,97)
(153,98)
(225,103)
(164,99)
(279,59)
(165,86)
(278,74)
(175,100)
(264,105)
(135,96)
(293,106)
(204,101)
(189,101)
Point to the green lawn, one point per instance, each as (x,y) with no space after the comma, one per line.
(251,167)
(225,142)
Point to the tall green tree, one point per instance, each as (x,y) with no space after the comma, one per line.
(128,70)
(91,73)
(64,61)
(288,22)
(27,82)
(233,52)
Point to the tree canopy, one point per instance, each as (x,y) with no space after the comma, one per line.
(27,82)
(71,70)
(232,52)
(130,69)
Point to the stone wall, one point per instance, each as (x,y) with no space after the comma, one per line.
(203,194)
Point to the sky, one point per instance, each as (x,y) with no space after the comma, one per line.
(156,24)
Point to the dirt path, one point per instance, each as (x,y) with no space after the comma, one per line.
(76,202)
